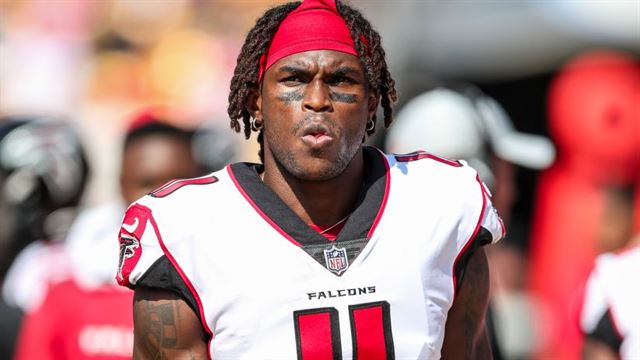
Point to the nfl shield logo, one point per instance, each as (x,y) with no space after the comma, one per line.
(336,259)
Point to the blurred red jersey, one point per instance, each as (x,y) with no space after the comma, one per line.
(78,323)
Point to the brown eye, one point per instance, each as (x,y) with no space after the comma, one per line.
(292,80)
(341,80)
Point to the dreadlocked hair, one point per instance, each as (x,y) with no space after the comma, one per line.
(369,47)
(245,76)
(367,43)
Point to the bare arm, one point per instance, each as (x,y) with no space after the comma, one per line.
(165,327)
(597,350)
(465,332)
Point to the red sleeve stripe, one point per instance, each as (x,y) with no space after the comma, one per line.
(173,185)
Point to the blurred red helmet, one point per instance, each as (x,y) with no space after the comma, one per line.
(594,115)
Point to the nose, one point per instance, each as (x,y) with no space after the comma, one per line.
(316,97)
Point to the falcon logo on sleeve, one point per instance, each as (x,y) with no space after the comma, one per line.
(132,229)
(128,247)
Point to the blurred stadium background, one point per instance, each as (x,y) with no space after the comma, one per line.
(96,63)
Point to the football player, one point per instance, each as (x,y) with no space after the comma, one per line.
(327,249)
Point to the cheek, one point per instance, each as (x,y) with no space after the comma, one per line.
(280,118)
(355,120)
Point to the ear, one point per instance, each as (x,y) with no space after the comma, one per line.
(374,101)
(254,102)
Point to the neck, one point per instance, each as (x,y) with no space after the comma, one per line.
(318,202)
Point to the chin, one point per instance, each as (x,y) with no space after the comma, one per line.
(308,167)
(314,164)
(317,170)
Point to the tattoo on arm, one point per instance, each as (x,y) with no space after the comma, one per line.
(160,324)
(474,317)
(465,331)
(165,327)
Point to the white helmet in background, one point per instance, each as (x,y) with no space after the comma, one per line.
(461,125)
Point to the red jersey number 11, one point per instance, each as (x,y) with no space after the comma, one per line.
(318,332)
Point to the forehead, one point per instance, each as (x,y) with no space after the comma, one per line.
(318,59)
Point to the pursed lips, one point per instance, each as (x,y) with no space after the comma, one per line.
(316,134)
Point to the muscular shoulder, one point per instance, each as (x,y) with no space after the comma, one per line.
(465,331)
(165,327)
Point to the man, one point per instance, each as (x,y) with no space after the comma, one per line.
(610,317)
(80,316)
(328,249)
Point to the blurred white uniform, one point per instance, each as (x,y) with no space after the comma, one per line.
(611,310)
(88,254)
(37,267)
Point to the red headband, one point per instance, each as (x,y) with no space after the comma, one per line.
(314,25)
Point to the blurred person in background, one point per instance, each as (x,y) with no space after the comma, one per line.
(82,317)
(318,251)
(42,176)
(460,122)
(579,207)
(610,316)
(10,315)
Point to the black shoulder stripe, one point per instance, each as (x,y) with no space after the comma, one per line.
(606,332)
(163,276)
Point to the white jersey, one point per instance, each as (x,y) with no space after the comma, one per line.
(610,312)
(267,286)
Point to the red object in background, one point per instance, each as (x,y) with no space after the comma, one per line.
(595,122)
(594,117)
(146,116)
(75,323)
(636,220)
